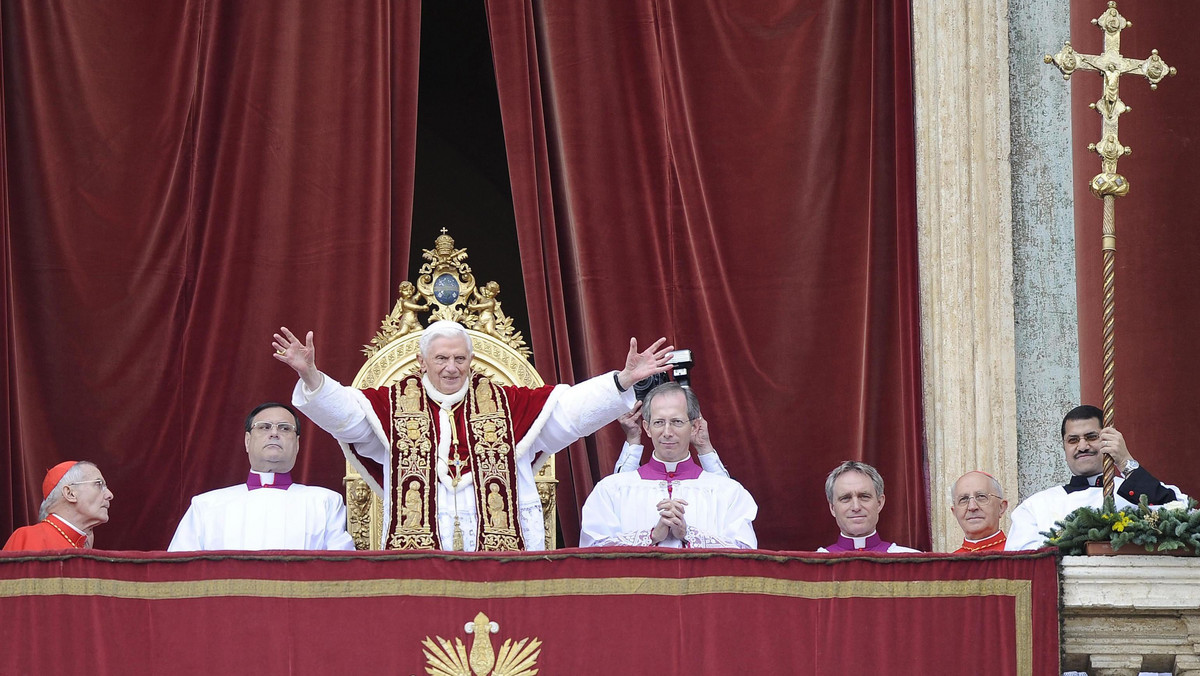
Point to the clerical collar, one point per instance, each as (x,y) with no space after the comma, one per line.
(994,541)
(870,543)
(268,480)
(77,529)
(658,470)
(73,535)
(442,399)
(1080,483)
(990,537)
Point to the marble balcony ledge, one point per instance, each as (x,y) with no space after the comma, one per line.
(1123,615)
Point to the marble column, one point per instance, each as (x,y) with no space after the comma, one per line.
(965,247)
(995,215)
(1047,325)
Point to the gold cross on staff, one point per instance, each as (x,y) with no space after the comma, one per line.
(1111,65)
(1108,184)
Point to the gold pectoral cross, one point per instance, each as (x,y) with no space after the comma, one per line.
(457,463)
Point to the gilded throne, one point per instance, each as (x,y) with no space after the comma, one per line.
(445,289)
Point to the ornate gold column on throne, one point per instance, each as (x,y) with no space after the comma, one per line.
(445,288)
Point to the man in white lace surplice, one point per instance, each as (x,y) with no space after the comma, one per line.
(669,501)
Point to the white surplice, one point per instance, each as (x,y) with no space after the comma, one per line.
(299,517)
(1039,512)
(622,510)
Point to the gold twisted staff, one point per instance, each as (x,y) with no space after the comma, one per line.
(1108,185)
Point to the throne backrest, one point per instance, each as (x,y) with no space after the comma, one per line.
(445,289)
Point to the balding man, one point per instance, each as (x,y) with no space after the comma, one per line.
(977,501)
(75,499)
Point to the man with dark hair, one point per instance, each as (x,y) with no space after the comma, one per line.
(75,500)
(1085,444)
(268,511)
(855,494)
(669,501)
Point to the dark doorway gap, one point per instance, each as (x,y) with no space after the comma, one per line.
(461,181)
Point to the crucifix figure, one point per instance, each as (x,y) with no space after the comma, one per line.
(1108,184)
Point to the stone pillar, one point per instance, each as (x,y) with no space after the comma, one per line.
(965,247)
(1047,325)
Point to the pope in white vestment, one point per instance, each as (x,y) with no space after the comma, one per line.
(436,437)
(669,501)
(269,511)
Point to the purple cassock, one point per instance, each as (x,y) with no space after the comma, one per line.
(281,480)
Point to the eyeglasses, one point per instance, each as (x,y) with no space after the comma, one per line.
(676,424)
(100,483)
(1090,436)
(981,499)
(266,427)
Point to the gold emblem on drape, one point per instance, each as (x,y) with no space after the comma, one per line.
(444,658)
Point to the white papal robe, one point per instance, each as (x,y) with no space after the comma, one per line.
(622,510)
(298,517)
(571,412)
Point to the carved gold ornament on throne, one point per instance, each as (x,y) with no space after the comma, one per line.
(445,288)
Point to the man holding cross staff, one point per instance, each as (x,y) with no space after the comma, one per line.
(1090,441)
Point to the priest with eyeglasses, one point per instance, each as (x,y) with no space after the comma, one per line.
(75,500)
(670,501)
(977,502)
(1085,444)
(268,510)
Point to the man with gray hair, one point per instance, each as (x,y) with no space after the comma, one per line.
(669,501)
(454,454)
(75,499)
(855,494)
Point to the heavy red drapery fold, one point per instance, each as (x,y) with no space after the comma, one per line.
(739,180)
(184,178)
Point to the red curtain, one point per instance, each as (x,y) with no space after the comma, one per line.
(739,179)
(1158,244)
(185,178)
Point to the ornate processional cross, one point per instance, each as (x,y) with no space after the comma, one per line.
(1108,185)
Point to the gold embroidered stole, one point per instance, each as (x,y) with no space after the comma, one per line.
(488,447)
